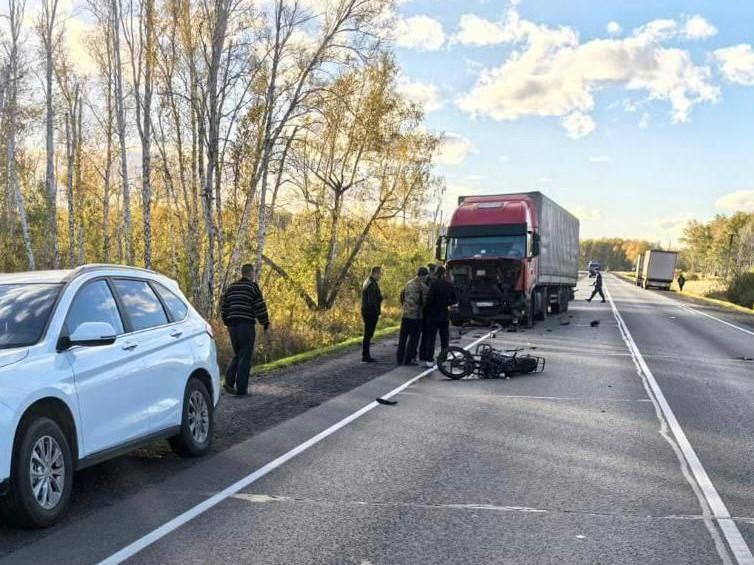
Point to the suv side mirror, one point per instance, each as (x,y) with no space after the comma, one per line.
(89,334)
(535,244)
(438,248)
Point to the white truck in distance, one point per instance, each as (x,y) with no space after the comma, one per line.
(658,269)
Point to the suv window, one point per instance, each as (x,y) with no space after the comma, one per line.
(143,308)
(94,303)
(175,305)
(24,310)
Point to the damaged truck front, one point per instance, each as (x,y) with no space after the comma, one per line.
(512,258)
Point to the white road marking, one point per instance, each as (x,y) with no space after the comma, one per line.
(711,498)
(175,523)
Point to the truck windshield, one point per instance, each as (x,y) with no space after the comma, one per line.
(495,246)
(24,310)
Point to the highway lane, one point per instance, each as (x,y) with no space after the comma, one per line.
(564,467)
(698,362)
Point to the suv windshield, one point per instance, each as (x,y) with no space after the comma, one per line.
(24,310)
(496,246)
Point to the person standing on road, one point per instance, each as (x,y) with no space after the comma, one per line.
(597,284)
(681,281)
(242,306)
(413,299)
(371,308)
(441,295)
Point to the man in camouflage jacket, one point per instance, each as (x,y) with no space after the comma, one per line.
(413,300)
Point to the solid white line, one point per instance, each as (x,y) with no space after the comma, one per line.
(720,513)
(175,523)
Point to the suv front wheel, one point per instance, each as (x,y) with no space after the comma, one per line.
(197,424)
(41,475)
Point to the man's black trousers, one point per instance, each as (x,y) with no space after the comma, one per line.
(370,324)
(408,340)
(431,328)
(242,337)
(597,290)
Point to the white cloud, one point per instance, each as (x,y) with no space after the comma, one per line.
(454,149)
(426,95)
(614,28)
(478,31)
(738,201)
(578,124)
(551,73)
(645,120)
(696,27)
(672,227)
(586,214)
(420,32)
(737,63)
(600,159)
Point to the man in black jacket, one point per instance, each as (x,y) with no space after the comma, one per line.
(441,295)
(242,306)
(597,284)
(371,308)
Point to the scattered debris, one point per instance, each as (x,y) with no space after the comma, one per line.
(548,330)
(512,329)
(745,358)
(387,402)
(594,323)
(564,323)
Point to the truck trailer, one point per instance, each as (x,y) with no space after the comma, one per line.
(512,258)
(658,269)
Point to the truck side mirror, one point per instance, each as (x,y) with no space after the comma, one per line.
(535,245)
(438,248)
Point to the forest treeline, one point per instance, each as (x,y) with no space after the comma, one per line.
(214,132)
(613,253)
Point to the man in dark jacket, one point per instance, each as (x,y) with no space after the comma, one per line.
(441,295)
(242,306)
(597,284)
(413,298)
(371,308)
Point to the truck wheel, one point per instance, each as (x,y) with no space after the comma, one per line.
(540,306)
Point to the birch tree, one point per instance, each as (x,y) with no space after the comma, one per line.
(16,9)
(50,33)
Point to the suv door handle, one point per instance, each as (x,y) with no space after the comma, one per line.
(129,346)
(176,333)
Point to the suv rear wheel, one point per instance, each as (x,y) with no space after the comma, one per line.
(197,424)
(41,475)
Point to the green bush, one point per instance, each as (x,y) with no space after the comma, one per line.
(741,290)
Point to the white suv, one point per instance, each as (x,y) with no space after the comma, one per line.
(95,362)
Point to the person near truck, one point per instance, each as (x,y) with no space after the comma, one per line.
(241,308)
(440,296)
(597,284)
(371,308)
(681,281)
(413,299)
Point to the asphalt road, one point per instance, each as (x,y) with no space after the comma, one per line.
(575,465)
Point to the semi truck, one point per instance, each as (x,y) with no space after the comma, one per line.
(658,269)
(513,258)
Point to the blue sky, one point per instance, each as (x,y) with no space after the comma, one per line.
(636,115)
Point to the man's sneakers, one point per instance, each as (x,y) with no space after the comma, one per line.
(229,389)
(369,360)
(428,364)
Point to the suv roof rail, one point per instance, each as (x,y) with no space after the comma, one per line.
(83,269)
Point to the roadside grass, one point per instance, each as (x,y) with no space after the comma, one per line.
(286,362)
(711,291)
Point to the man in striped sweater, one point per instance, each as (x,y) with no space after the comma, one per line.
(242,306)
